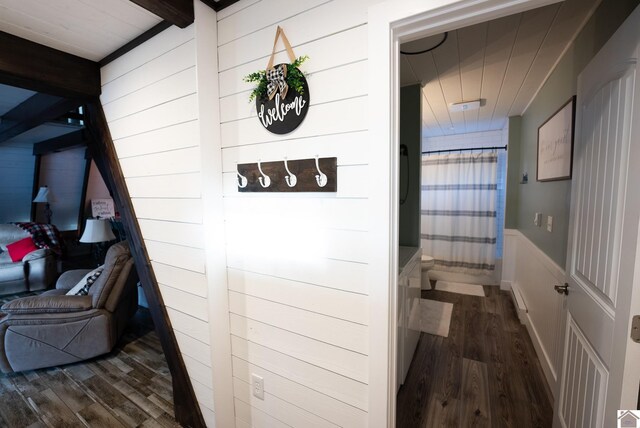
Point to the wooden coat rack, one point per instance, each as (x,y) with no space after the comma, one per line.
(300,175)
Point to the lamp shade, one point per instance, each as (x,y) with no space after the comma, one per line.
(97,230)
(44,195)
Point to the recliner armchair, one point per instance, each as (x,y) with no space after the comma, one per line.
(53,329)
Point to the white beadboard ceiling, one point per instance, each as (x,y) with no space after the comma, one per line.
(90,29)
(504,62)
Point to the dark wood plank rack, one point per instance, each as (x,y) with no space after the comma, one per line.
(303,175)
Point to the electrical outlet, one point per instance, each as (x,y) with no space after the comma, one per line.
(549,223)
(257,383)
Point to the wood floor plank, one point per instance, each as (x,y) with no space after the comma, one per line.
(486,373)
(414,395)
(53,411)
(103,392)
(475,410)
(474,327)
(130,414)
(443,413)
(15,412)
(167,421)
(97,416)
(117,389)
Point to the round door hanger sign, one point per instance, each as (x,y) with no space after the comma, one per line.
(283,108)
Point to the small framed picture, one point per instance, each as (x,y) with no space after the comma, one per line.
(555,144)
(102,208)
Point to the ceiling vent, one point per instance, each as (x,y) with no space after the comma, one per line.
(466,105)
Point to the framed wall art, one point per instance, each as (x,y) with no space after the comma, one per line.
(555,144)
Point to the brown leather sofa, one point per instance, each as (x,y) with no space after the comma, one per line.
(53,329)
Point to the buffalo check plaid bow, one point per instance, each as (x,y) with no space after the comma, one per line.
(277,83)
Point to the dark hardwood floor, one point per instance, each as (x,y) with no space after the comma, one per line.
(485,374)
(129,387)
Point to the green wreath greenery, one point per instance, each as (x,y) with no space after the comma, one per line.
(295,79)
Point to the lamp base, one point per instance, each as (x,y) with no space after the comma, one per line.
(48,213)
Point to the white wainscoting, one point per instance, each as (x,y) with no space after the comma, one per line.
(531,275)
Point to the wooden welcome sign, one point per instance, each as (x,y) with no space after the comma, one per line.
(282,94)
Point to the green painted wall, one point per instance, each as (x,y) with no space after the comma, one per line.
(514,174)
(553,198)
(410,166)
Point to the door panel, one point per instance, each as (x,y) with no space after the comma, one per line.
(605,207)
(584,386)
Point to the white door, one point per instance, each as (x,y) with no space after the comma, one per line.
(603,237)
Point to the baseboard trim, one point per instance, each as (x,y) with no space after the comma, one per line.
(505,285)
(549,373)
(518,301)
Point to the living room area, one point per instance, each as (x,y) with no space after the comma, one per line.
(78,345)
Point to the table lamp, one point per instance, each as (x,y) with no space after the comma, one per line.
(97,231)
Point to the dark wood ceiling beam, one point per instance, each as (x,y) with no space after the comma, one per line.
(219,5)
(32,112)
(73,139)
(40,68)
(135,42)
(178,12)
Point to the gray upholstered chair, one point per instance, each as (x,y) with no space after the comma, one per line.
(53,329)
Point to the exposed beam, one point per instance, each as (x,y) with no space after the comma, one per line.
(135,42)
(73,139)
(219,5)
(39,68)
(178,12)
(32,112)
(102,149)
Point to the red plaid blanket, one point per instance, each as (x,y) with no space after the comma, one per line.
(44,235)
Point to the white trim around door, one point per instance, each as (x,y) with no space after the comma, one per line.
(390,23)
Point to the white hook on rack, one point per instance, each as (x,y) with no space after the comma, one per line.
(291,179)
(242,180)
(321,178)
(265,181)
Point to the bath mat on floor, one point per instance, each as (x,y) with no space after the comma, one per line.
(460,288)
(431,316)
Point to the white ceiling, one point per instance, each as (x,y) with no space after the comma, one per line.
(503,62)
(91,29)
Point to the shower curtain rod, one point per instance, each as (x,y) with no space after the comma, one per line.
(465,150)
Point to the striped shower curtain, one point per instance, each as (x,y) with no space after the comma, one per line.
(458,222)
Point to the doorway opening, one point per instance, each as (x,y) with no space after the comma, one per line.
(451,127)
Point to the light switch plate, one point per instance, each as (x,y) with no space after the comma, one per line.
(536,219)
(549,223)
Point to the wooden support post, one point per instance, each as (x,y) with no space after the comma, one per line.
(187,410)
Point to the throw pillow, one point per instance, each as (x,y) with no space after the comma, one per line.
(21,248)
(83,286)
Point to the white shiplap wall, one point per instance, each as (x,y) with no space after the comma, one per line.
(298,263)
(150,99)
